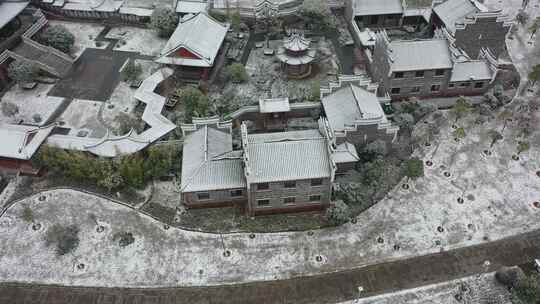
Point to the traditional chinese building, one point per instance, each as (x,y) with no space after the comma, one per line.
(296,55)
(195,46)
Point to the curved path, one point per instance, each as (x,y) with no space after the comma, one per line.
(327,288)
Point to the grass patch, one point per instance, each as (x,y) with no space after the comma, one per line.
(163,213)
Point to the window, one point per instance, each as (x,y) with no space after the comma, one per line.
(478,85)
(465,84)
(451,86)
(263,186)
(314,198)
(439,72)
(289,184)
(263,202)
(435,88)
(236,193)
(419,74)
(398,75)
(289,200)
(415,89)
(316,182)
(396,90)
(203,196)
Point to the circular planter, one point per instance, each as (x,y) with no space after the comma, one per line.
(456,139)
(252,235)
(201,271)
(440,229)
(447,174)
(354,221)
(310,233)
(81,266)
(397,247)
(100,229)
(318,258)
(227,253)
(426,122)
(36,226)
(380,240)
(405,186)
(487,152)
(470,226)
(110,106)
(454,127)
(166,227)
(429,163)
(438,243)
(460,200)
(536,205)
(515,157)
(538,173)
(42,198)
(458,297)
(427,144)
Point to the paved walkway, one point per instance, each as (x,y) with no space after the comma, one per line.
(328,288)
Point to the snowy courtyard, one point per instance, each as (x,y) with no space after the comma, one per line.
(134,39)
(85,35)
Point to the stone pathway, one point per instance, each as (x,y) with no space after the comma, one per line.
(328,288)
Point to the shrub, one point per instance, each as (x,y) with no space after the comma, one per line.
(528,290)
(131,71)
(414,168)
(9,109)
(509,276)
(22,71)
(236,72)
(27,214)
(218,15)
(338,214)
(66,239)
(195,102)
(124,238)
(58,37)
(523,146)
(164,21)
(37,118)
(315,94)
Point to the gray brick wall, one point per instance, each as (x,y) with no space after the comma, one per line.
(190,199)
(277,192)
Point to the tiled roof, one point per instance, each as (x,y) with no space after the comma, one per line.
(191,7)
(377,7)
(345,153)
(351,104)
(413,55)
(455,11)
(283,156)
(21,142)
(208,162)
(10,10)
(200,34)
(471,70)
(274,105)
(296,42)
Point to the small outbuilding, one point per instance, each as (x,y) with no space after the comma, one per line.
(296,55)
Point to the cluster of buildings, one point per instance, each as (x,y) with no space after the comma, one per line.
(282,171)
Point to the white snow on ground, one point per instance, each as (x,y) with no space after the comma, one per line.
(30,102)
(82,115)
(473,289)
(85,35)
(498,194)
(145,41)
(123,95)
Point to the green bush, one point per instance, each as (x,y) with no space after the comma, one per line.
(58,37)
(66,239)
(27,214)
(9,109)
(337,214)
(196,104)
(236,72)
(414,168)
(164,21)
(22,71)
(124,238)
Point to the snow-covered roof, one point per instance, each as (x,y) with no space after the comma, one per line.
(296,42)
(274,105)
(415,55)
(377,7)
(471,70)
(305,58)
(191,6)
(455,11)
(208,162)
(10,10)
(200,34)
(94,5)
(350,105)
(345,153)
(293,155)
(20,141)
